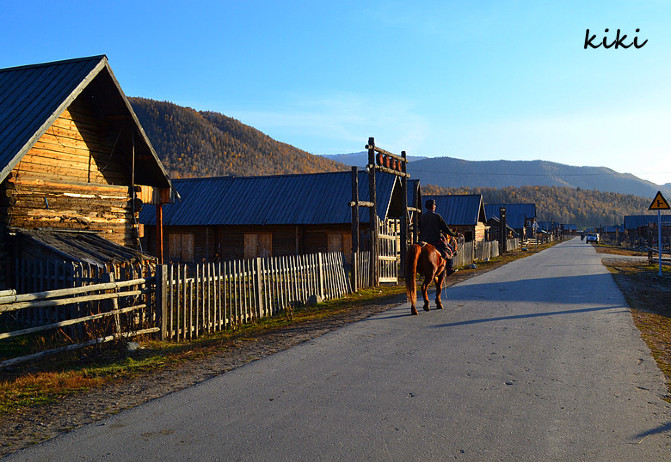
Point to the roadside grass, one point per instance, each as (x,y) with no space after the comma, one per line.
(649,296)
(47,381)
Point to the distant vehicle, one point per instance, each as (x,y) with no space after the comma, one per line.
(592,237)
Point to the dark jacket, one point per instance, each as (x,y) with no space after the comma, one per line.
(431,225)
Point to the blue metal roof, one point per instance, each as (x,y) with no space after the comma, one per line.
(636,221)
(301,199)
(459,209)
(515,213)
(32,97)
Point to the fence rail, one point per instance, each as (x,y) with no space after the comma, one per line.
(209,297)
(102,313)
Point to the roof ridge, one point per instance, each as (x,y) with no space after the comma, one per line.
(278,175)
(54,63)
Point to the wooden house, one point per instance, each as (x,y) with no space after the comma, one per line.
(245,217)
(520,217)
(465,213)
(643,228)
(73,157)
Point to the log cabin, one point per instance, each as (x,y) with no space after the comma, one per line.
(465,213)
(73,157)
(230,218)
(519,217)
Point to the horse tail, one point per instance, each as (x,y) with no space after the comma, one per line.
(411,271)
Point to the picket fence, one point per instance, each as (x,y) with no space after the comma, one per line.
(209,297)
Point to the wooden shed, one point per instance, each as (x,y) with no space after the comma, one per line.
(244,217)
(463,212)
(72,156)
(520,217)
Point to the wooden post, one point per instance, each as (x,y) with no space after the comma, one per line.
(404,214)
(114,306)
(503,232)
(320,272)
(258,281)
(355,228)
(417,203)
(374,260)
(159,233)
(162,298)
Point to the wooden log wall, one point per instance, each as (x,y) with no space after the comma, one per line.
(73,178)
(220,243)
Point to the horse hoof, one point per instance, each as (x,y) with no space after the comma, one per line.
(439,307)
(413,311)
(426,307)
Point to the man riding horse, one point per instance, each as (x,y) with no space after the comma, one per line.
(432,257)
(432,226)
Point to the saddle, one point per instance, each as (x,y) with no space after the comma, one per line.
(447,253)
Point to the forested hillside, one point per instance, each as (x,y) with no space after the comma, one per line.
(201,144)
(586,208)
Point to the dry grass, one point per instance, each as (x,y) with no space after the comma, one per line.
(649,297)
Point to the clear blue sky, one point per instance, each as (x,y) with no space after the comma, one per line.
(474,80)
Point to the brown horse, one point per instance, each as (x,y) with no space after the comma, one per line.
(427,261)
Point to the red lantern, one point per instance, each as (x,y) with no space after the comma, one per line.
(379,159)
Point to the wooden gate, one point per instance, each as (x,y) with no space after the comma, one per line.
(389,247)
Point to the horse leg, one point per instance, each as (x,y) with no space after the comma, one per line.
(439,289)
(425,289)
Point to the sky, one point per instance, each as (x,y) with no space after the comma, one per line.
(483,80)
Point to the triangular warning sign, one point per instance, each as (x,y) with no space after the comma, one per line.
(659,203)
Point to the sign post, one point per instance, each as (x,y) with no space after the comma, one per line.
(659,204)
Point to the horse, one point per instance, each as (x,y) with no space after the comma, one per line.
(425,259)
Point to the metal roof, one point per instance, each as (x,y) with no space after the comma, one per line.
(636,221)
(301,199)
(82,246)
(515,213)
(459,209)
(32,97)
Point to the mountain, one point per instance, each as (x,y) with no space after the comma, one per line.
(360,159)
(458,173)
(194,143)
(584,207)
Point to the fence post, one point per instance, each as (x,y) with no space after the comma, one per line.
(162,298)
(258,281)
(113,305)
(320,264)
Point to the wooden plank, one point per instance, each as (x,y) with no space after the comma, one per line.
(109,338)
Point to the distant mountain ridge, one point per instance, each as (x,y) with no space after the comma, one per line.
(194,143)
(451,172)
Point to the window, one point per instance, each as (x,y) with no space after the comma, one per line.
(180,247)
(258,245)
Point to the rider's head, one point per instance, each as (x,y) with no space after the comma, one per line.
(430,204)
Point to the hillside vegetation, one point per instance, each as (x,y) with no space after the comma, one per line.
(585,208)
(194,143)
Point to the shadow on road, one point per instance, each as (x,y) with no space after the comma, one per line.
(532,315)
(592,289)
(661,429)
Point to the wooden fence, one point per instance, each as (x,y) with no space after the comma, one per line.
(213,296)
(81,316)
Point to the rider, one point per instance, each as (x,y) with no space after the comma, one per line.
(431,225)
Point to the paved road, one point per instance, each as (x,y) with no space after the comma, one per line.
(537,360)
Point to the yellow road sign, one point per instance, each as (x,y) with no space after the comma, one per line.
(659,203)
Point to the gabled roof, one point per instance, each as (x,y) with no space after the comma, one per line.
(459,209)
(32,97)
(301,199)
(636,221)
(515,213)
